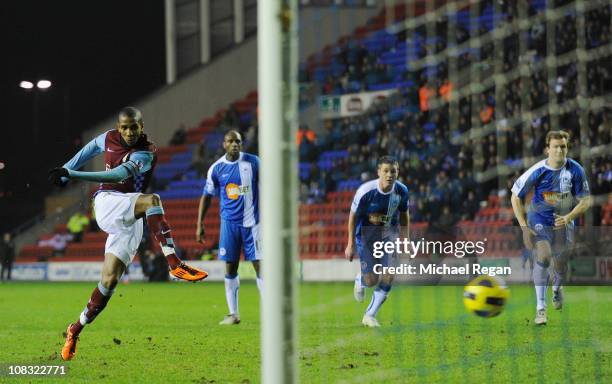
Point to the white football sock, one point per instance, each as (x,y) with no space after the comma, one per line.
(231,293)
(378,298)
(559,279)
(359,281)
(260,285)
(540,281)
(83,318)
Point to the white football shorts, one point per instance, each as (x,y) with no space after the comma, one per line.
(115,216)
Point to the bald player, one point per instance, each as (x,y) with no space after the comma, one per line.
(234,178)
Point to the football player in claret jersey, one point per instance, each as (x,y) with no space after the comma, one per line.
(120,206)
(378,213)
(234,179)
(548,227)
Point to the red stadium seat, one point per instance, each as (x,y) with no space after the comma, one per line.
(85,250)
(94,237)
(32,252)
(28,259)
(98,258)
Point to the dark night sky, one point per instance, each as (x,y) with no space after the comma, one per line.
(99,55)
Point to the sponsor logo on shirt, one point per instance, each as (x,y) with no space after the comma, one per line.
(379,218)
(234,191)
(553,198)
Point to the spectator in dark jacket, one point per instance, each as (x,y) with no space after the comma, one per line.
(7,256)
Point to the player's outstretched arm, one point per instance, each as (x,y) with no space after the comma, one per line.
(89,151)
(583,205)
(519,212)
(202,209)
(138,163)
(349,252)
(115,175)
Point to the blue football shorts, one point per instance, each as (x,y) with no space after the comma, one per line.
(234,237)
(558,238)
(368,261)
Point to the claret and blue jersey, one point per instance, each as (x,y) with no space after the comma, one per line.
(236,184)
(132,165)
(554,190)
(370,201)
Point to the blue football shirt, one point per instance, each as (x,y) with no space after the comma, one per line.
(371,201)
(236,184)
(554,190)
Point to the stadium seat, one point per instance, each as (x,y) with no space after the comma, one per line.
(30,253)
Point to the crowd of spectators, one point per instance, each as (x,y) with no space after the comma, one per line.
(440,172)
(433,138)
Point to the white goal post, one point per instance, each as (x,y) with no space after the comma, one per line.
(278,118)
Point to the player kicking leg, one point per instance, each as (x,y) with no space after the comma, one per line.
(150,206)
(119,215)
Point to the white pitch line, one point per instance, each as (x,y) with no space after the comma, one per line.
(320,308)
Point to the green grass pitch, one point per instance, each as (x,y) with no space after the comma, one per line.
(161,333)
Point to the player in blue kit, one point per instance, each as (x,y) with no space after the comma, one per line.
(120,208)
(234,178)
(378,210)
(557,182)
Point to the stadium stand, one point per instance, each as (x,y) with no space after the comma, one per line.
(377,56)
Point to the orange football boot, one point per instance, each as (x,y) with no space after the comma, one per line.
(69,348)
(185,272)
